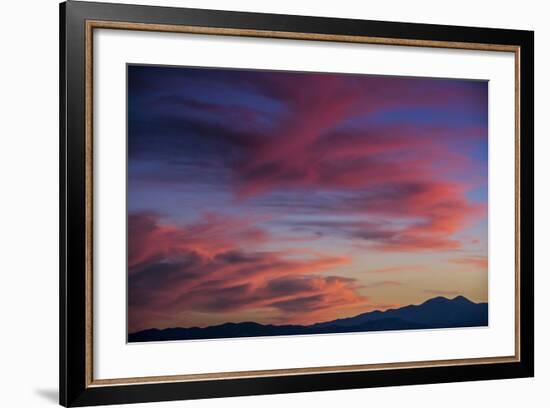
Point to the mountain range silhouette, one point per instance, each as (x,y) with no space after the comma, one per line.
(436,313)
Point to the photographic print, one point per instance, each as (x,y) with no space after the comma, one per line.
(268,203)
(252,202)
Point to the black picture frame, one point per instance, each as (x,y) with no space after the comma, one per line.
(75,387)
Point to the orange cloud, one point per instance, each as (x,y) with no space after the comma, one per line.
(399,268)
(383,283)
(480,262)
(206,267)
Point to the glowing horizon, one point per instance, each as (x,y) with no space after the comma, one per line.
(285,197)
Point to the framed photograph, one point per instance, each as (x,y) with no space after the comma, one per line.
(256,204)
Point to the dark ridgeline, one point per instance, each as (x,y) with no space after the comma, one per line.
(435,313)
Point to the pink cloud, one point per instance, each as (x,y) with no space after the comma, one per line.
(150,240)
(310,151)
(206,267)
(442,211)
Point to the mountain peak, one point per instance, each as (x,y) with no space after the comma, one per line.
(461,299)
(443,300)
(437,299)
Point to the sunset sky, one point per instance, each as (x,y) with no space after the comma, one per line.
(282,197)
